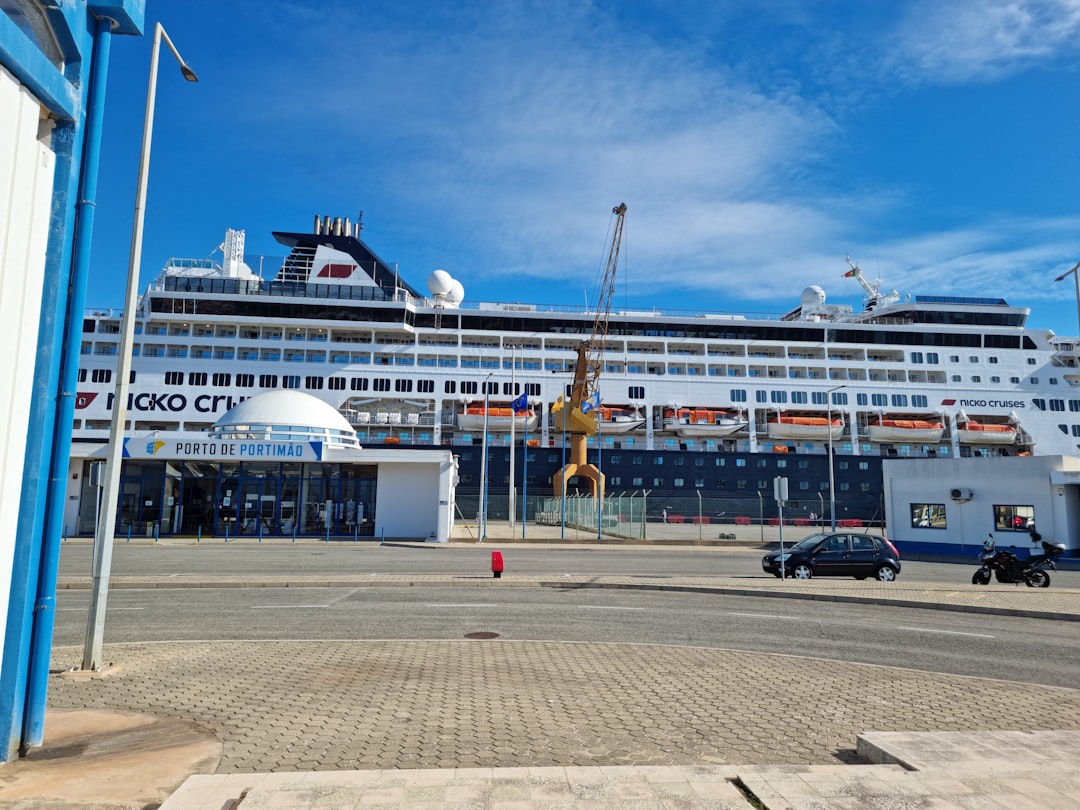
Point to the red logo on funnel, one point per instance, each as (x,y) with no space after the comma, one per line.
(336,271)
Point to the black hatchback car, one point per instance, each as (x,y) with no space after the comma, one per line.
(843,554)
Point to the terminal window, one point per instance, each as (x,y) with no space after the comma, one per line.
(928,516)
(1014,518)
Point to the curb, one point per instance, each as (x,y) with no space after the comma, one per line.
(491,582)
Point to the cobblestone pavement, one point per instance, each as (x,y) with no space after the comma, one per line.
(326,705)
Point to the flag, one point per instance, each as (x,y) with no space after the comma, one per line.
(591,403)
(521,404)
(854,271)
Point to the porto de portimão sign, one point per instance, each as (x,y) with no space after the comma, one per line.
(184,446)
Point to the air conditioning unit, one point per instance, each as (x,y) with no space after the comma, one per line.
(960,494)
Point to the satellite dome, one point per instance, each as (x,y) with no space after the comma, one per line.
(812,296)
(438,283)
(456,294)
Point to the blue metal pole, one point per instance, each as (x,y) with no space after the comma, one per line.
(484,483)
(198,536)
(599,472)
(525,476)
(562,475)
(57,435)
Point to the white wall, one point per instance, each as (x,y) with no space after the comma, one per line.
(997,480)
(408,500)
(26,181)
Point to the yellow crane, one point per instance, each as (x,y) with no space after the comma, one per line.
(578,422)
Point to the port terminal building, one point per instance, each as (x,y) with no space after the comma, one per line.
(950,506)
(280,464)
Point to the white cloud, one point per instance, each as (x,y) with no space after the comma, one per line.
(983,40)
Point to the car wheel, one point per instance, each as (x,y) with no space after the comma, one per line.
(802,571)
(885,573)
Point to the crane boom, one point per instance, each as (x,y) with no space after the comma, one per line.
(590,362)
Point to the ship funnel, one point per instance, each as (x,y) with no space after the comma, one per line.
(318,224)
(346,229)
(337,226)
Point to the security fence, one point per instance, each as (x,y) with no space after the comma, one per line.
(639,514)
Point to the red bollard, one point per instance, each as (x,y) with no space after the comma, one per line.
(496,563)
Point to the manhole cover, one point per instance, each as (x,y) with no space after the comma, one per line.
(481,635)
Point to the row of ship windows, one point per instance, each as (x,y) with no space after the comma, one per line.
(658,460)
(224,379)
(696,483)
(317,383)
(524,363)
(321,336)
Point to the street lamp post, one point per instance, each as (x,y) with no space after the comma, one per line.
(511,495)
(106,524)
(832,489)
(482,510)
(1076,278)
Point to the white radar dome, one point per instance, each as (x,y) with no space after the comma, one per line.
(456,294)
(812,296)
(439,282)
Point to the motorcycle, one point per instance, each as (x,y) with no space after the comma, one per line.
(1007,567)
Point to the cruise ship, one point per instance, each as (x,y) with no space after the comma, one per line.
(691,404)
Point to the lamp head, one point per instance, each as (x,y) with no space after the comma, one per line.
(189,74)
(1068,273)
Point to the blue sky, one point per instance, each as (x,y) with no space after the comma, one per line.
(755,143)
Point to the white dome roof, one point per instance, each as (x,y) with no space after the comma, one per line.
(288,416)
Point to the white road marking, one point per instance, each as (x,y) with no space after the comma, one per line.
(110,608)
(461,605)
(607,607)
(283,607)
(767,616)
(945,632)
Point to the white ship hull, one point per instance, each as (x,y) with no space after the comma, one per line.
(369,343)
